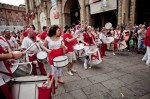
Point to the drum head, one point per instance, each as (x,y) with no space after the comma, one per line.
(60,58)
(92,50)
(42,55)
(109,39)
(29,78)
(14,68)
(79,46)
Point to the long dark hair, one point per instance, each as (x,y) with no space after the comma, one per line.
(52,30)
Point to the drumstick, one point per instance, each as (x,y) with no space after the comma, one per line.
(30,47)
(23,63)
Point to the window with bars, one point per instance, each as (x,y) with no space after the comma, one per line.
(3,22)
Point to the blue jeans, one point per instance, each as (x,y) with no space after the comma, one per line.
(141,44)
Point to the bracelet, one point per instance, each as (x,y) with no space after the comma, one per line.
(12,55)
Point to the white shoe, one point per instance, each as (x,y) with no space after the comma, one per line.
(74,71)
(148,65)
(114,54)
(70,73)
(85,66)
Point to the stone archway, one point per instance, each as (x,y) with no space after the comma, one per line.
(71,12)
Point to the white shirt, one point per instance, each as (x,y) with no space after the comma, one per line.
(27,42)
(4,44)
(54,44)
(116,34)
(12,42)
(102,37)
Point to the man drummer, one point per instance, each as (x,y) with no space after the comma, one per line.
(32,52)
(43,35)
(69,42)
(5,72)
(88,40)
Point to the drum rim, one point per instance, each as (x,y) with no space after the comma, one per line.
(61,60)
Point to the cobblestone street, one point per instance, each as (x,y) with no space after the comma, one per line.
(123,76)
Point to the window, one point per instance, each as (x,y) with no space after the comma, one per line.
(3,22)
(9,13)
(11,22)
(18,22)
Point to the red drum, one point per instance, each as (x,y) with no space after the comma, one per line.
(95,57)
(121,45)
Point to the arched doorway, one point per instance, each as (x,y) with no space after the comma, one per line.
(143,13)
(72,12)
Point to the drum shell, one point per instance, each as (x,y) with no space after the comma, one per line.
(97,60)
(26,89)
(21,70)
(61,63)
(80,53)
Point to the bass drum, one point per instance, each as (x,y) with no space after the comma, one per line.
(21,70)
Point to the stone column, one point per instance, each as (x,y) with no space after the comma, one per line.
(82,10)
(119,12)
(132,12)
(59,7)
(87,14)
(125,11)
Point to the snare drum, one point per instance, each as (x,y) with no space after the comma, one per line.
(109,39)
(121,45)
(21,70)
(42,56)
(94,55)
(60,61)
(79,50)
(26,87)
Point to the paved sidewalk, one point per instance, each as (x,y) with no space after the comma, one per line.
(123,76)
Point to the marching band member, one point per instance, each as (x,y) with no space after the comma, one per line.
(88,40)
(27,42)
(69,42)
(55,45)
(12,42)
(102,38)
(43,35)
(116,36)
(147,43)
(127,36)
(5,72)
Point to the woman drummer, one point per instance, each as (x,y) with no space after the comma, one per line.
(88,40)
(55,48)
(116,34)
(5,72)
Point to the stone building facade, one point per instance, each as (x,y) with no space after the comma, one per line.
(11,17)
(95,12)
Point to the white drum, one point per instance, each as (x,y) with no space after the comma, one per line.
(79,50)
(109,39)
(94,55)
(42,56)
(121,45)
(79,46)
(60,61)
(26,87)
(21,70)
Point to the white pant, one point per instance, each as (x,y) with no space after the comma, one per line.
(148,54)
(56,72)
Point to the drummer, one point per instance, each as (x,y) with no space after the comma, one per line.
(5,72)
(12,42)
(55,45)
(102,38)
(88,40)
(43,35)
(117,36)
(27,42)
(69,42)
